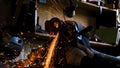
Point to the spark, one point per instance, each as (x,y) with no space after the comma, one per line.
(51,51)
(32,57)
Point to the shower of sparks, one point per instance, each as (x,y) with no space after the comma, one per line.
(51,51)
(32,57)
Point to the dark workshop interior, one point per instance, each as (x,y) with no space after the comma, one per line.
(60,33)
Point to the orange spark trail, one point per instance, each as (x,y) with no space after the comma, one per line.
(51,51)
(32,57)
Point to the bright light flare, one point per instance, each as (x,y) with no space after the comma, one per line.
(51,51)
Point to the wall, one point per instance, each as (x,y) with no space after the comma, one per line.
(55,9)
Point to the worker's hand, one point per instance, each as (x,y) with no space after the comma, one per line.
(86,50)
(74,55)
